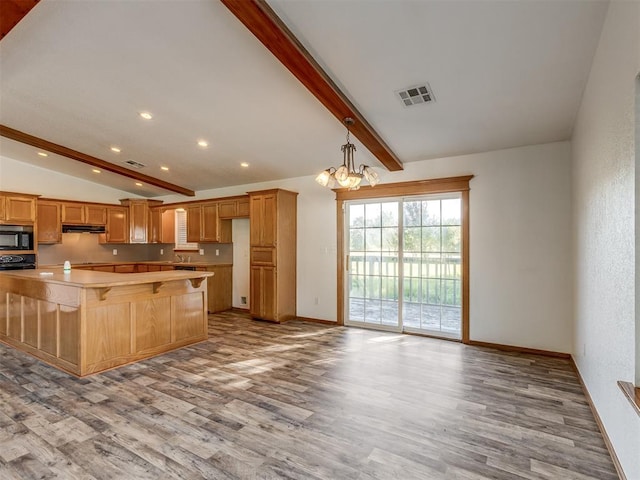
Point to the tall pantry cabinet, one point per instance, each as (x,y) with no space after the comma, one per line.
(272,234)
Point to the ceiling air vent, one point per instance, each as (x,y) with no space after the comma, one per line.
(416,95)
(134,164)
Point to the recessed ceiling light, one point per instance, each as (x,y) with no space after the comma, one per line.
(138,184)
(43,154)
(95,170)
(203,143)
(166,169)
(115,149)
(146,115)
(244,164)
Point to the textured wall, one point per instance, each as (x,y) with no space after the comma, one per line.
(603,171)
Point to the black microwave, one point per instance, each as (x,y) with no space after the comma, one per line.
(16,240)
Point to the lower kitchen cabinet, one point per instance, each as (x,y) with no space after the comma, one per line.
(219,288)
(263,293)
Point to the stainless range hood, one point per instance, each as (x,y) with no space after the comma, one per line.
(83,229)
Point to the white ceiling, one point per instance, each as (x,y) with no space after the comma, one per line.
(504,74)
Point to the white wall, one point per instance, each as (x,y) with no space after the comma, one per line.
(603,177)
(240,240)
(25,178)
(520,242)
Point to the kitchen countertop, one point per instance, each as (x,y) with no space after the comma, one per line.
(144,262)
(92,279)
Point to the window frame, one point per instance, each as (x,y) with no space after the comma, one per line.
(407,189)
(181,233)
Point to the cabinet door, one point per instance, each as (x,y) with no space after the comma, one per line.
(168,230)
(262,228)
(73,213)
(138,222)
(255,300)
(194,217)
(263,293)
(117,226)
(49,225)
(242,209)
(155,225)
(227,209)
(3,201)
(256,216)
(20,209)
(210,224)
(95,215)
(220,288)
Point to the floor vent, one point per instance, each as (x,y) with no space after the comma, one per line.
(416,95)
(134,164)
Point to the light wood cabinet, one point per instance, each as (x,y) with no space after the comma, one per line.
(264,294)
(117,225)
(84,214)
(163,225)
(139,219)
(220,288)
(49,222)
(272,232)
(264,221)
(234,208)
(17,208)
(205,226)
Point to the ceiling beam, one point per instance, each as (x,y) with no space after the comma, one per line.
(11,12)
(40,143)
(263,22)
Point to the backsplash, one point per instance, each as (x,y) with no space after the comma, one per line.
(82,248)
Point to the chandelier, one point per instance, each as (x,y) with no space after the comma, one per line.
(346,174)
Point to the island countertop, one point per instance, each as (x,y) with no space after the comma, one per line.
(95,279)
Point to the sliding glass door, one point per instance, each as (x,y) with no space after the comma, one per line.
(404,264)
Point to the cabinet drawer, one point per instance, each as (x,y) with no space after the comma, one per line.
(263,256)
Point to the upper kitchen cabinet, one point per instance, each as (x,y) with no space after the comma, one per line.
(17,208)
(49,221)
(75,213)
(140,219)
(238,207)
(204,225)
(163,225)
(264,216)
(117,226)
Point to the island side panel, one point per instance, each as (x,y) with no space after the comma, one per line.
(31,319)
(142,320)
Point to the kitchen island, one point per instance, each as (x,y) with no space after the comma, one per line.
(85,322)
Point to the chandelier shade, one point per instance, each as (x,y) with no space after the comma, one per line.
(346,175)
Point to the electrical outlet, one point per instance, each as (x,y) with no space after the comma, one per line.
(115,251)
(243,300)
(217,252)
(162,251)
(202,251)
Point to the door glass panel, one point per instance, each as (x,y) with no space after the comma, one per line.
(373,263)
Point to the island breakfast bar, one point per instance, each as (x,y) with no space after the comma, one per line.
(85,322)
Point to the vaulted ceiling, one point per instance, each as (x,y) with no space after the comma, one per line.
(503,74)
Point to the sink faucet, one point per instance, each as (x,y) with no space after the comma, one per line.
(180,258)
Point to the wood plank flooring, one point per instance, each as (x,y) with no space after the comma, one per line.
(301,401)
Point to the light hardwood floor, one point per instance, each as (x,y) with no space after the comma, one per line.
(301,401)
